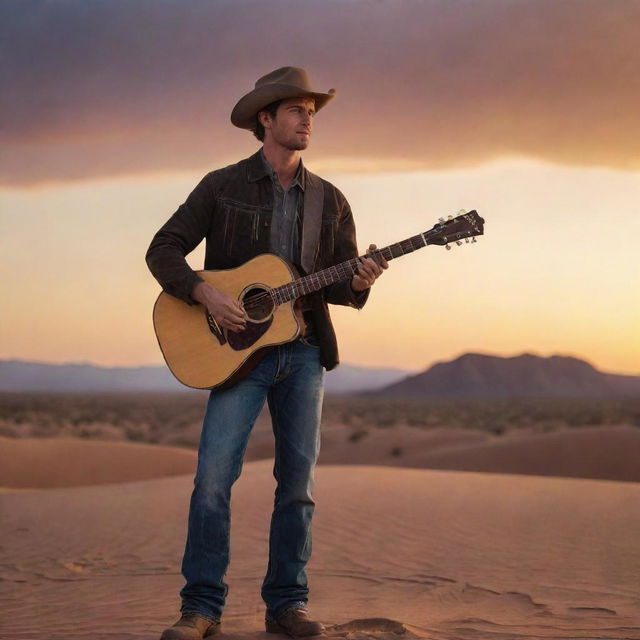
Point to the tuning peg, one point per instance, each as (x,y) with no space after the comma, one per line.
(466,240)
(447,247)
(441,220)
(473,241)
(449,217)
(462,212)
(458,242)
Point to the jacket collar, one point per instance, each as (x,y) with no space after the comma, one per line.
(255,167)
(258,168)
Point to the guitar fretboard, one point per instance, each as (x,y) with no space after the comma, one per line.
(344,270)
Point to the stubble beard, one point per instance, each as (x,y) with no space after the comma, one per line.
(297,145)
(293,142)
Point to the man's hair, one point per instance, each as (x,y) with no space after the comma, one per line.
(271,109)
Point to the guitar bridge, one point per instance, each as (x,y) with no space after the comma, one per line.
(215,329)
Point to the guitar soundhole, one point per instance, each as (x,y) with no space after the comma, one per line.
(258,303)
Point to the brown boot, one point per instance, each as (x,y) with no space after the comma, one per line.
(295,623)
(191,627)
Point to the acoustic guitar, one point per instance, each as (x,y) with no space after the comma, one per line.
(202,355)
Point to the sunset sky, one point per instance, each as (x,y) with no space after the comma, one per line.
(111,112)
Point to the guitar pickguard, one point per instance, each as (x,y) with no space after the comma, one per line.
(248,336)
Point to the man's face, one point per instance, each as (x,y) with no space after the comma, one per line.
(291,128)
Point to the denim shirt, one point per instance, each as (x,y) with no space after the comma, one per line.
(285,221)
(286,224)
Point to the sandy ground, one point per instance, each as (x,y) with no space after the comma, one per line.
(28,463)
(397,551)
(608,453)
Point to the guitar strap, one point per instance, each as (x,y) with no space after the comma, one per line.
(311,220)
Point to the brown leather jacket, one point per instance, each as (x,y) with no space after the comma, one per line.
(232,209)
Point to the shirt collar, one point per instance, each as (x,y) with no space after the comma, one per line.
(268,170)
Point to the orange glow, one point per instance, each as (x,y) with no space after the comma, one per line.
(555,273)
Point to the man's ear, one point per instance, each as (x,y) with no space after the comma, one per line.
(264,118)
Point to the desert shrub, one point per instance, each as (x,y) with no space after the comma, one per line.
(357,435)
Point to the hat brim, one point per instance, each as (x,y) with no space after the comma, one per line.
(244,113)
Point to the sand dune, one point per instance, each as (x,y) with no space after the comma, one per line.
(608,453)
(399,445)
(27,463)
(429,554)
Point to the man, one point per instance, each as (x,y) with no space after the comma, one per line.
(267,203)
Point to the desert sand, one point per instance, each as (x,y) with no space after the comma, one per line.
(397,551)
(30,463)
(607,453)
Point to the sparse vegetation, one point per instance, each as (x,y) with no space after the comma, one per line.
(176,418)
(496,416)
(155,418)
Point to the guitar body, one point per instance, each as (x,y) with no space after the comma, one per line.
(202,356)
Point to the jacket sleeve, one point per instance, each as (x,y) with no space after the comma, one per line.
(180,235)
(345,248)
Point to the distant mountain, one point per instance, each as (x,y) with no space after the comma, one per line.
(470,375)
(484,376)
(19,375)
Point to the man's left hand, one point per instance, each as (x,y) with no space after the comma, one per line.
(368,271)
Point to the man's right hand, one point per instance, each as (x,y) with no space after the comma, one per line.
(226,311)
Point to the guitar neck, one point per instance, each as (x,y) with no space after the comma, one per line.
(344,270)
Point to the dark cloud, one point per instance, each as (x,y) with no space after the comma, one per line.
(117,87)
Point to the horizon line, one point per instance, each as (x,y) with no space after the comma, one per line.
(410,371)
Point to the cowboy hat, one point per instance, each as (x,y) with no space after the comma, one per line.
(283,83)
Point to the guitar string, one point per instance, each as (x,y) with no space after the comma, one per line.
(343,270)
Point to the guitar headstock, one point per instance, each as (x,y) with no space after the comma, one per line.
(463,227)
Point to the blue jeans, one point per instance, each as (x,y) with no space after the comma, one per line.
(290,378)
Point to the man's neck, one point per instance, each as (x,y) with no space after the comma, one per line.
(283,161)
